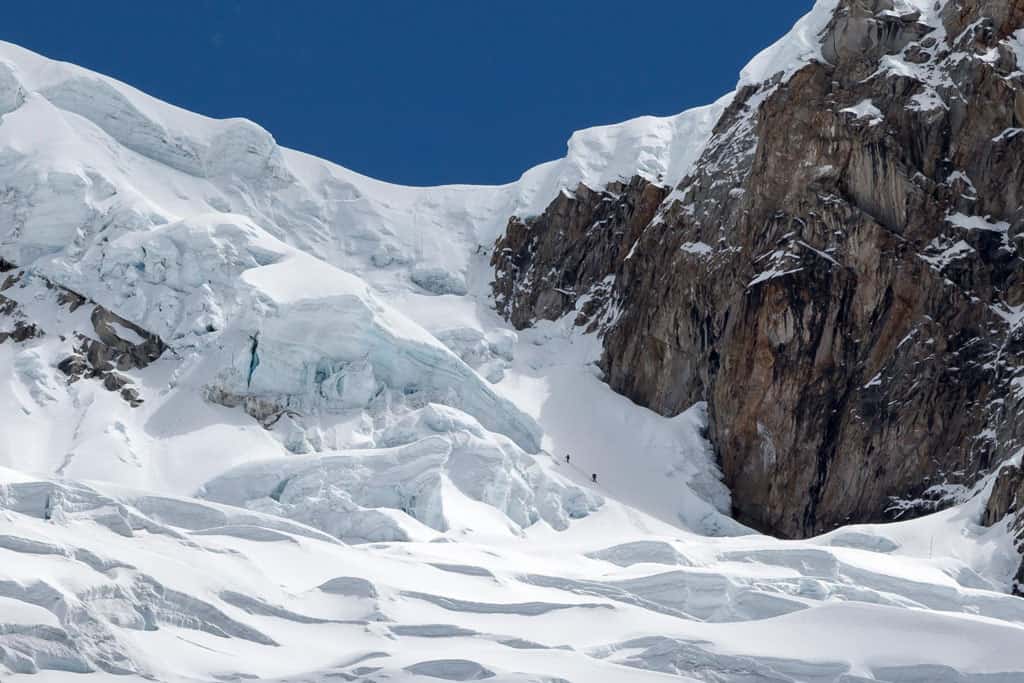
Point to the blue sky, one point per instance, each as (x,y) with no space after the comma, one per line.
(420,93)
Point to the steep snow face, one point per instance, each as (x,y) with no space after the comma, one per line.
(802,44)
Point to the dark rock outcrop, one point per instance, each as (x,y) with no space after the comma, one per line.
(110,344)
(545,264)
(106,351)
(20,328)
(1007,499)
(839,276)
(110,350)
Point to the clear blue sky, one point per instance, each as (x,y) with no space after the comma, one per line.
(422,92)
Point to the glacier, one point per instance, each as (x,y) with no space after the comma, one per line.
(265,423)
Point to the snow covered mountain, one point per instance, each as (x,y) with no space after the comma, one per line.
(263,417)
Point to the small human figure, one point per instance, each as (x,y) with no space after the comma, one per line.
(566,458)
(593,477)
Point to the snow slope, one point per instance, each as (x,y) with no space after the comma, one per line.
(345,466)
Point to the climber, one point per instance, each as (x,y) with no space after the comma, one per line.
(254,358)
(593,477)
(566,458)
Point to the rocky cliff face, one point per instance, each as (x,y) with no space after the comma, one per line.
(545,264)
(839,276)
(1006,505)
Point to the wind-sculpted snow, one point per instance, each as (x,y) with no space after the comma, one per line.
(100,579)
(628,554)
